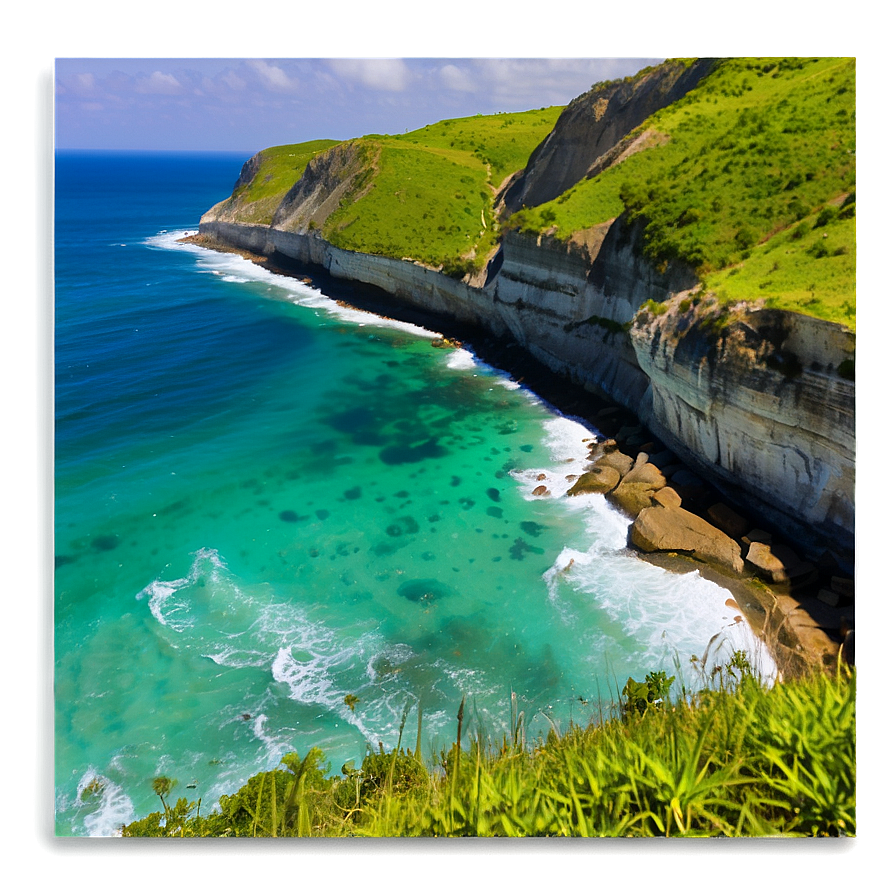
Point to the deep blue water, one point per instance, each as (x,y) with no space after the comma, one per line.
(266,502)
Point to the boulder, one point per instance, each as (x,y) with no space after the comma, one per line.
(540,491)
(646,474)
(667,497)
(660,528)
(600,479)
(633,433)
(632,497)
(615,459)
(603,447)
(664,458)
(778,564)
(831,598)
(756,535)
(764,563)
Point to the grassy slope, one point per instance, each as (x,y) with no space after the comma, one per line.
(739,761)
(760,146)
(432,195)
(732,181)
(280,168)
(429,194)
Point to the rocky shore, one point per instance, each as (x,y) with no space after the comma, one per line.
(803,610)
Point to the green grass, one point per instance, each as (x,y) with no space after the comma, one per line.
(737,760)
(280,168)
(430,204)
(426,195)
(808,268)
(759,146)
(504,141)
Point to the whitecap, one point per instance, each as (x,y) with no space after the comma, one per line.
(113,806)
(164,599)
(233,268)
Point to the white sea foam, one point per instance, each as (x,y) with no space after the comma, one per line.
(113,806)
(671,617)
(461,359)
(165,601)
(309,669)
(275,747)
(234,268)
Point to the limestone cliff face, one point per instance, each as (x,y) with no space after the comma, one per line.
(590,133)
(759,405)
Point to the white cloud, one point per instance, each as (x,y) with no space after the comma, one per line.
(457,79)
(233,80)
(380,74)
(158,82)
(271,75)
(521,82)
(85,81)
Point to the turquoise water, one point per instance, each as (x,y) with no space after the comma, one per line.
(266,502)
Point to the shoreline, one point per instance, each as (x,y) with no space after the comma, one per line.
(801,631)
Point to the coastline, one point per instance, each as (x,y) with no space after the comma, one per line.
(801,631)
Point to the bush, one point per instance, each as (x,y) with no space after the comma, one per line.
(826,215)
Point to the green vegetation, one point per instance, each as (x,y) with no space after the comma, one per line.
(736,759)
(502,142)
(749,180)
(760,146)
(809,267)
(280,167)
(432,205)
(426,195)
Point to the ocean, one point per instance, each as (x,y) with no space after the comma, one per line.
(267,502)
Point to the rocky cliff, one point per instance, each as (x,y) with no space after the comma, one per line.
(597,127)
(760,401)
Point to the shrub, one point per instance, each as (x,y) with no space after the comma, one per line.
(826,215)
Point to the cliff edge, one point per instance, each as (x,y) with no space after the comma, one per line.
(758,398)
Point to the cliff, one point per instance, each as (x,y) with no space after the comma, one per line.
(597,127)
(759,400)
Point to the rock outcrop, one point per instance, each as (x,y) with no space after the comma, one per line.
(760,406)
(596,128)
(659,528)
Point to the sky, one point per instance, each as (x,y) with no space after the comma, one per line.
(248,104)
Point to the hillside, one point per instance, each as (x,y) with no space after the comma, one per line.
(428,195)
(743,170)
(749,180)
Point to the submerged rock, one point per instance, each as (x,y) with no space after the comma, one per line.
(424,591)
(105,542)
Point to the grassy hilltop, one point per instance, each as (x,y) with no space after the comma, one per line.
(427,195)
(749,179)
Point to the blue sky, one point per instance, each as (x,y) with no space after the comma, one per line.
(248,104)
